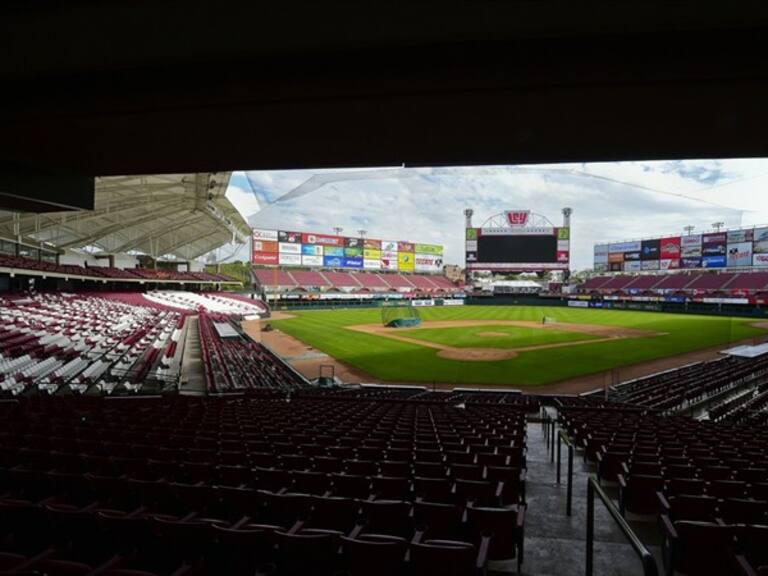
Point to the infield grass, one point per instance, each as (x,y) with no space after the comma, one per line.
(397,361)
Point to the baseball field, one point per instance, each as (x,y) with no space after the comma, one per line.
(509,345)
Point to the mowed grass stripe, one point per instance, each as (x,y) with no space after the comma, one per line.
(515,336)
(393,360)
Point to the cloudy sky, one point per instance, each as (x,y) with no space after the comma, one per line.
(611,201)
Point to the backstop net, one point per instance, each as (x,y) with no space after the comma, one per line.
(400,316)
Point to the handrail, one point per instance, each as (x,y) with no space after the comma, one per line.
(649,563)
(563,437)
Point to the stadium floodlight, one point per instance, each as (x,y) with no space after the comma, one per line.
(718,225)
(338,230)
(688,229)
(362,233)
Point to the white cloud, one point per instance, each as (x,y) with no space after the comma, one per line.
(611,201)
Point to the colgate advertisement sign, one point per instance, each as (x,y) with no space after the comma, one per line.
(517,217)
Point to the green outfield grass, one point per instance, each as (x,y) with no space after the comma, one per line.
(516,336)
(397,361)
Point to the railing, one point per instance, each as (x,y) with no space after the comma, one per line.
(649,564)
(563,438)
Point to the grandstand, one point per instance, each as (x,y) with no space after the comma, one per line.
(286,281)
(737,283)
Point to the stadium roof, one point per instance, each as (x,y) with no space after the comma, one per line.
(180,215)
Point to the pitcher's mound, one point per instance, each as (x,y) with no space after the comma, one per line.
(477,354)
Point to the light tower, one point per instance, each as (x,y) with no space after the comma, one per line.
(468,212)
(567,217)
(338,230)
(567,211)
(688,229)
(717,225)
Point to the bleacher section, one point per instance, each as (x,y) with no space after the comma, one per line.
(218,302)
(92,272)
(350,282)
(55,341)
(680,282)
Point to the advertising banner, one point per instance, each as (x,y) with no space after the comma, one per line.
(406,247)
(670,248)
(405,262)
(369,244)
(624,247)
(291,237)
(286,248)
(312,260)
(601,267)
(760,260)
(388,246)
(270,235)
(563,245)
(353,262)
(736,236)
(615,266)
(471,234)
(578,303)
(371,254)
(333,261)
(633,266)
(355,252)
(389,254)
(471,245)
(471,257)
(631,256)
(290,259)
(424,302)
(265,258)
(434,249)
(427,263)
(562,256)
(740,254)
(713,262)
(617,257)
(322,239)
(389,263)
(690,263)
(563,233)
(265,246)
(690,246)
(333,251)
(649,250)
(714,238)
(760,247)
(760,234)
(601,249)
(371,264)
(311,250)
(669,263)
(650,264)
(713,249)
(353,242)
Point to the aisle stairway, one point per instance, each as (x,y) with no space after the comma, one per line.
(192,369)
(555,544)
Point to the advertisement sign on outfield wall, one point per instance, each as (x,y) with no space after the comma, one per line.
(563,245)
(270,235)
(265,246)
(290,259)
(322,239)
(713,249)
(760,247)
(615,266)
(353,242)
(405,262)
(617,257)
(290,237)
(649,249)
(471,245)
(427,263)
(633,266)
(713,262)
(669,264)
(631,256)
(424,302)
(760,260)
(287,248)
(429,249)
(562,256)
(578,303)
(670,248)
(265,258)
(563,233)
(390,254)
(371,264)
(369,244)
(740,254)
(690,263)
(714,238)
(311,250)
(355,252)
(471,234)
(353,262)
(311,260)
(601,267)
(690,246)
(371,254)
(736,236)
(760,234)
(624,247)
(405,247)
(389,263)
(388,246)
(650,264)
(333,261)
(333,251)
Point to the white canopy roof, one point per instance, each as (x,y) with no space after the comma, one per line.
(178,215)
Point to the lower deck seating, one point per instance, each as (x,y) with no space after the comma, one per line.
(234,485)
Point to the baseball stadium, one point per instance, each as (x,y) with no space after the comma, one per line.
(331,289)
